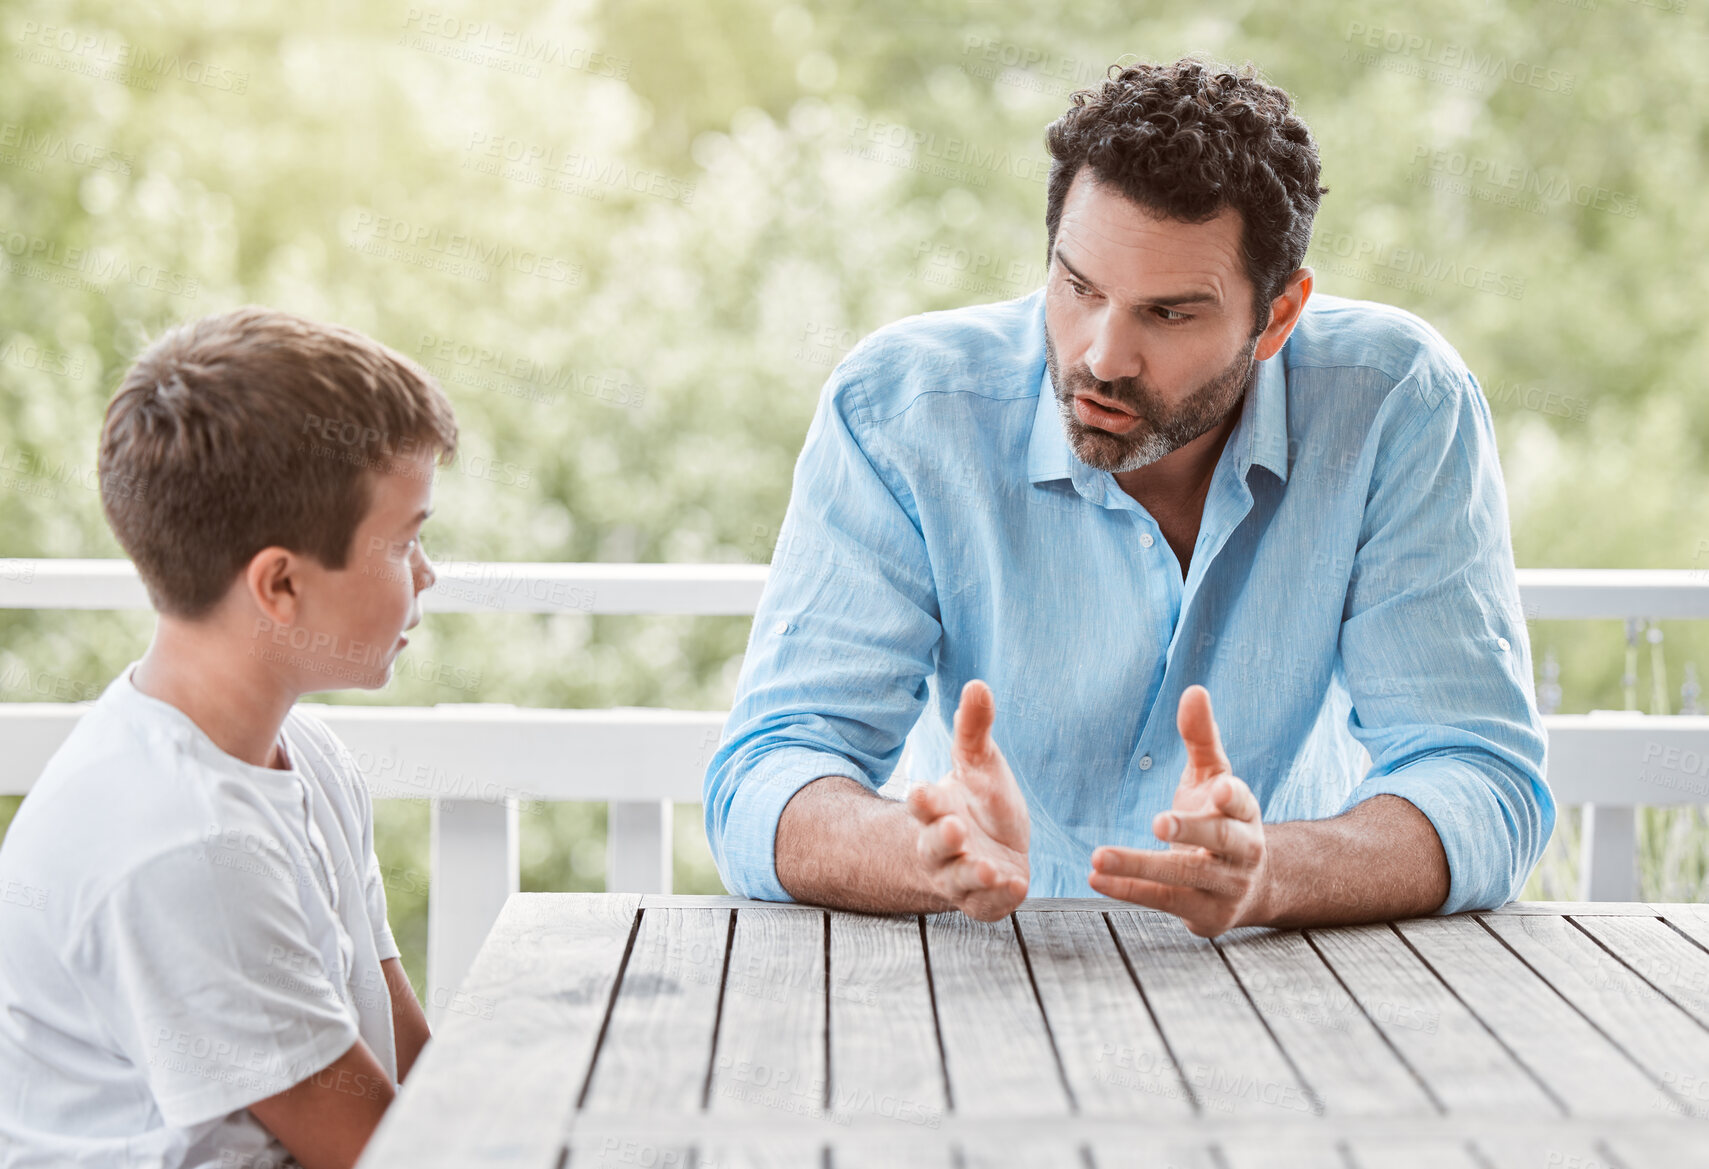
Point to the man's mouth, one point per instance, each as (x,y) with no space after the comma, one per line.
(1106,403)
(1093,412)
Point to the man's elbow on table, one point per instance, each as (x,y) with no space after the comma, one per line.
(1493,828)
(1529,821)
(743,808)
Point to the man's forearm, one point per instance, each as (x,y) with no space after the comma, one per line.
(843,847)
(1378,861)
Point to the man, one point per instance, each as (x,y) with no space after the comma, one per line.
(1160,478)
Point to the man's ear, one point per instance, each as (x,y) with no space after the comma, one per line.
(273,579)
(1285,313)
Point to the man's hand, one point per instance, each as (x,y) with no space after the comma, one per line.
(1214,875)
(974,822)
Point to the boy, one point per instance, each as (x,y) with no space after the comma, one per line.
(208,978)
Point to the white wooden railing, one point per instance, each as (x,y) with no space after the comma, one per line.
(475,762)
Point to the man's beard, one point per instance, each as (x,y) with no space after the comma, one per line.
(1160,429)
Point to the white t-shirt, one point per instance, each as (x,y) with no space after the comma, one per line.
(181,935)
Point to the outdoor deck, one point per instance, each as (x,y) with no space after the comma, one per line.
(659,1030)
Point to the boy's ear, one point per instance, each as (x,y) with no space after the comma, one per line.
(273,579)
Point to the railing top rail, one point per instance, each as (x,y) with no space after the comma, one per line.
(734,589)
(494,752)
(473,586)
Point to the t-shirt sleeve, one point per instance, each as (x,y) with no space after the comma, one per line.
(375,894)
(202,963)
(373,882)
(354,787)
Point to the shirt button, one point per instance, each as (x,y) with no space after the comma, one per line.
(1145,540)
(1145,763)
(780,627)
(1502,642)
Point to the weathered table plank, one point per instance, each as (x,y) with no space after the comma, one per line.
(630,1153)
(1645,1025)
(783,1154)
(1679,968)
(1318,1024)
(1039,1153)
(1653,1151)
(1572,909)
(1375,1153)
(1144,1151)
(1228,1057)
(769,1053)
(1114,1058)
(997,1051)
(1690,920)
(885,1059)
(854,1153)
(537,997)
(1466,1070)
(1524,1151)
(1299,1151)
(659,1042)
(1541,1030)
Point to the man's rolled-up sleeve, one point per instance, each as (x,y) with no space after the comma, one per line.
(842,644)
(1434,648)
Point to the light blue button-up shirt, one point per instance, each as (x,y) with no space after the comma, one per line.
(1350,602)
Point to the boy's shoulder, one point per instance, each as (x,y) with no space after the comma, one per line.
(136,780)
(119,793)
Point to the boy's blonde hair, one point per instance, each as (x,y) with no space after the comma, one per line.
(255,428)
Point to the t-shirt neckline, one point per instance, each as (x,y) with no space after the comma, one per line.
(126,690)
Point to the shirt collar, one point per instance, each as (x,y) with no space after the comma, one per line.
(1260,437)
(1048,454)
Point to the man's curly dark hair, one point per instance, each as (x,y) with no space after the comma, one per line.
(1186,140)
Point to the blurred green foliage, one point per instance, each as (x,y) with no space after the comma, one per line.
(633,237)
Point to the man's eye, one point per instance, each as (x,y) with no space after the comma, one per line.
(1079,288)
(1170,316)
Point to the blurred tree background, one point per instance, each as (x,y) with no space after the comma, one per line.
(632,238)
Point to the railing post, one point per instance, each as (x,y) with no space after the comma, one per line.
(476,867)
(1608,854)
(638,847)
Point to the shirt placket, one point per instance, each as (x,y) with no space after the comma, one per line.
(1160,574)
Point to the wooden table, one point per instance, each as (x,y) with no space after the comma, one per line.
(671,1031)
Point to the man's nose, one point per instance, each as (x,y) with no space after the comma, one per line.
(1114,353)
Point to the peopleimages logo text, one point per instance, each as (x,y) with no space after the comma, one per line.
(463,246)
